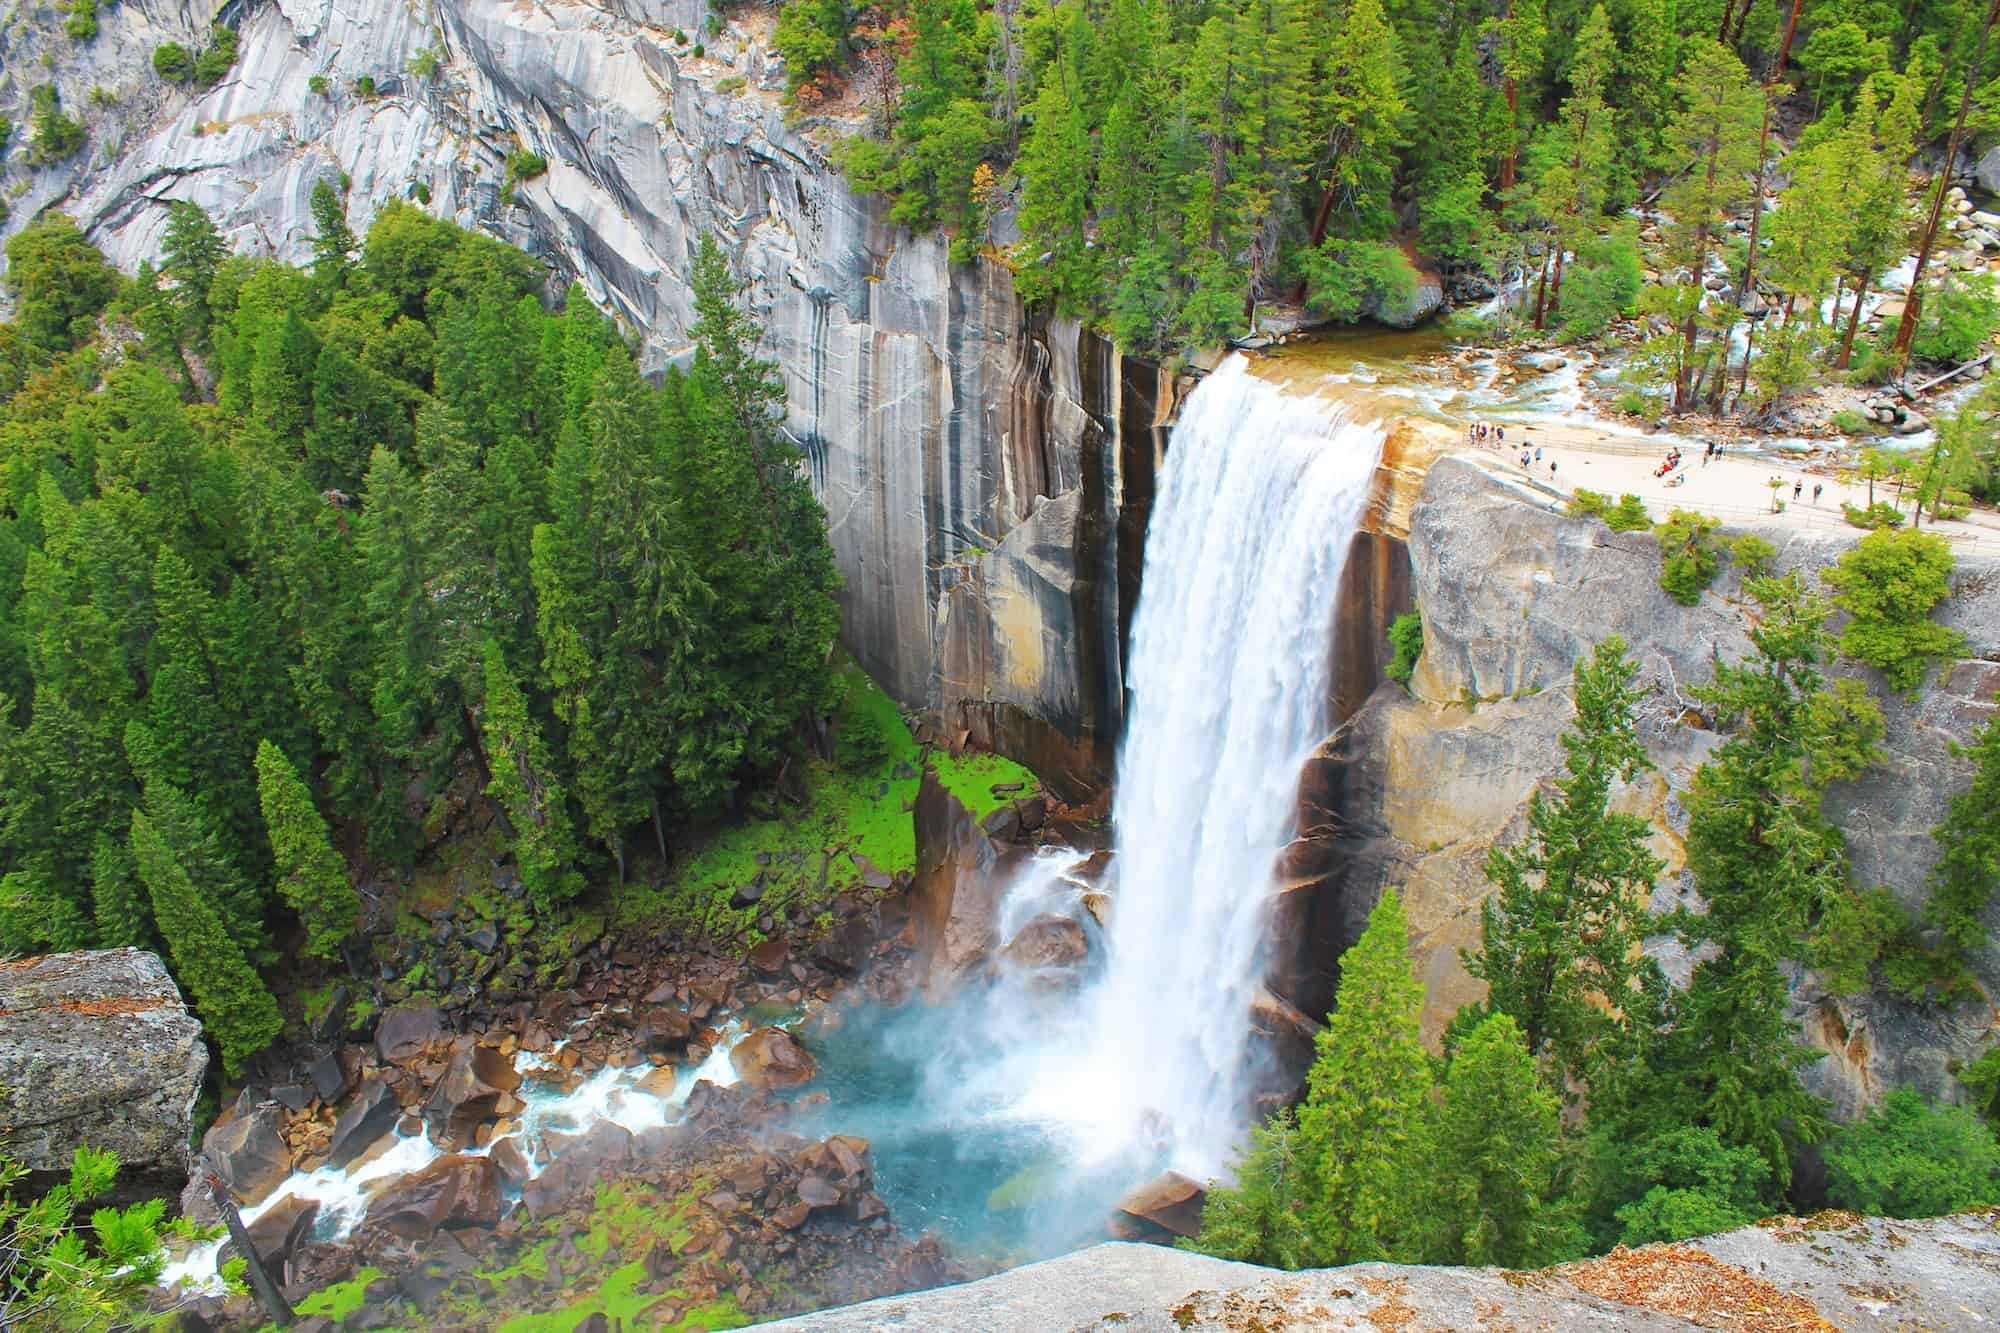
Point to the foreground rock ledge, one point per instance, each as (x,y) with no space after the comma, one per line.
(1832,1271)
(97,1048)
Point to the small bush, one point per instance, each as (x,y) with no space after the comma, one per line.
(1634,403)
(1881,514)
(1588,504)
(365,86)
(426,63)
(1688,559)
(523,165)
(1888,585)
(1406,641)
(1911,1159)
(699,50)
(421,192)
(317,85)
(173,62)
(1850,422)
(82,22)
(1629,515)
(213,63)
(733,84)
(862,744)
(1603,285)
(52,136)
(1751,553)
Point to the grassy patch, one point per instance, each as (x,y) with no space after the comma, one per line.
(807,854)
(341,1299)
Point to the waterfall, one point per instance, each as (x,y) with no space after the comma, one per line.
(1259,499)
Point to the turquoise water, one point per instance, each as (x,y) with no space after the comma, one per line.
(949,1158)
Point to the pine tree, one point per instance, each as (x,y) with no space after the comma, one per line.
(1771,868)
(311,875)
(525,784)
(1968,866)
(1559,946)
(334,246)
(1498,1158)
(1360,114)
(192,251)
(1364,1119)
(235,1006)
(1715,130)
(1261,1218)
(119,901)
(1058,262)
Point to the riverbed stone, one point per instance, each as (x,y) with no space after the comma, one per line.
(363,1122)
(771,1057)
(402,1033)
(453,1191)
(247,1150)
(1048,941)
(473,1092)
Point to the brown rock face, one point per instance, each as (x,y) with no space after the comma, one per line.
(403,1032)
(1171,1203)
(960,878)
(248,1151)
(469,1095)
(453,1191)
(362,1122)
(769,957)
(772,1058)
(662,1031)
(1048,941)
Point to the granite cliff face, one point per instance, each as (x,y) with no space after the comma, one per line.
(964,454)
(1416,785)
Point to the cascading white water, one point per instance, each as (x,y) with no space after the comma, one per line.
(1259,499)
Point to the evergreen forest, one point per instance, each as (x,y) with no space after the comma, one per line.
(291,554)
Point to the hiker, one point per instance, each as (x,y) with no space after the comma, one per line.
(1817,488)
(1797,487)
(1500,433)
(1552,469)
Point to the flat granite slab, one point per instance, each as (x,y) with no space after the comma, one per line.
(1833,1271)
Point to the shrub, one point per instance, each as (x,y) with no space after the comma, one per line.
(1629,515)
(1634,403)
(317,85)
(699,50)
(421,192)
(1406,641)
(1881,514)
(1675,1184)
(365,86)
(863,743)
(1751,553)
(426,63)
(523,165)
(52,136)
(811,35)
(213,63)
(1850,422)
(733,84)
(82,22)
(1909,1158)
(1888,585)
(1687,553)
(1602,285)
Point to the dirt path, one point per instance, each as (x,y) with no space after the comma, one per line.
(1732,488)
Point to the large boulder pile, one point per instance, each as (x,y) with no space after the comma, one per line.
(97,1049)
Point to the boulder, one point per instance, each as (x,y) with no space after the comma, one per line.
(97,1048)
(247,1150)
(453,1191)
(403,1032)
(1171,1203)
(662,1031)
(844,949)
(576,1163)
(1987,171)
(1049,940)
(771,1057)
(281,1229)
(469,1095)
(768,957)
(371,1113)
(510,1161)
(329,1078)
